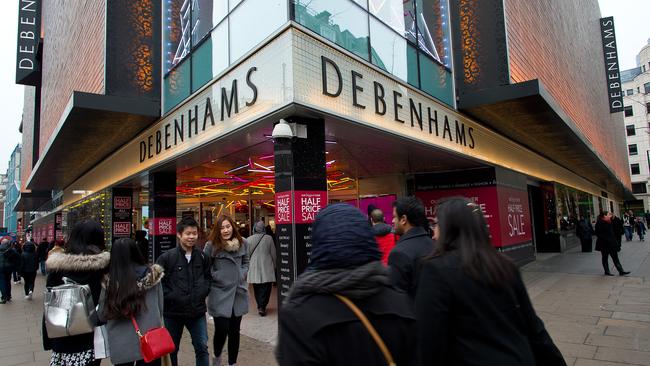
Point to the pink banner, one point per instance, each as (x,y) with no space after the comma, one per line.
(121,228)
(515,216)
(308,204)
(162,226)
(283,208)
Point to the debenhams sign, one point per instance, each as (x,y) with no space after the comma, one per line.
(29,35)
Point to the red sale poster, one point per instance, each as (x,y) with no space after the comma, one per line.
(283,208)
(308,204)
(515,216)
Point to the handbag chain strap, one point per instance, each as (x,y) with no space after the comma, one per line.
(369,327)
(137,328)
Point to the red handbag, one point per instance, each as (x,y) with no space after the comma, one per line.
(155,343)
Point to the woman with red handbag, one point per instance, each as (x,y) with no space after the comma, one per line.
(133,310)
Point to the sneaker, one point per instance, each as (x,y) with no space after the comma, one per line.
(29,296)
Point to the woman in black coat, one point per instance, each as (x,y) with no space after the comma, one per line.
(472,307)
(317,328)
(607,244)
(85,262)
(29,267)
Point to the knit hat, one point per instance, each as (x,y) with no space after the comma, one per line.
(342,238)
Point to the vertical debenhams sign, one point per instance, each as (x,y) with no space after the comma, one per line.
(612,70)
(29,35)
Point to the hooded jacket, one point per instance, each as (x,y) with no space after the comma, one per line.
(9,258)
(261,251)
(29,263)
(83,269)
(385,239)
(121,333)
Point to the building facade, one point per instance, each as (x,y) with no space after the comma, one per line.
(636,87)
(383,99)
(3,200)
(11,217)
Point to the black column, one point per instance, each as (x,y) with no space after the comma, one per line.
(162,213)
(301,191)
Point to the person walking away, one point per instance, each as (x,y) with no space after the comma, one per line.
(261,272)
(640,228)
(627,226)
(607,244)
(410,224)
(41,251)
(16,274)
(9,261)
(29,268)
(130,290)
(617,226)
(318,328)
(228,299)
(383,234)
(585,233)
(472,307)
(84,262)
(185,286)
(143,242)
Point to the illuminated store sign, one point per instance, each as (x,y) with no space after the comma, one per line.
(612,71)
(29,35)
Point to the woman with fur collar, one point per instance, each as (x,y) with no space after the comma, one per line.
(130,289)
(85,262)
(228,298)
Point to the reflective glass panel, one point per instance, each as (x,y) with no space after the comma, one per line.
(220,48)
(176,43)
(177,86)
(340,21)
(201,19)
(252,22)
(433,29)
(388,49)
(390,12)
(202,65)
(436,80)
(412,61)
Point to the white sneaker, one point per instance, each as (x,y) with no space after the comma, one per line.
(29,296)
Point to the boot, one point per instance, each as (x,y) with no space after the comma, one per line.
(216,361)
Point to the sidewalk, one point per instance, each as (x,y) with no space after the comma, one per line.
(595,320)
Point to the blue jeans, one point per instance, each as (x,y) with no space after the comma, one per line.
(42,263)
(628,232)
(198,328)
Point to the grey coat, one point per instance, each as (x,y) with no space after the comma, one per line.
(261,250)
(123,343)
(228,288)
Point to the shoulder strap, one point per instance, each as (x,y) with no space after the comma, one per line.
(369,327)
(137,328)
(257,245)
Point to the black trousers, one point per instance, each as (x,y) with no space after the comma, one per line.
(29,278)
(139,363)
(614,255)
(227,327)
(262,293)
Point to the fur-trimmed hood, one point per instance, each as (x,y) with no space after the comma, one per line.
(153,276)
(60,262)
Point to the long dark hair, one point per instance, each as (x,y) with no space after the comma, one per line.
(87,237)
(215,235)
(462,227)
(123,298)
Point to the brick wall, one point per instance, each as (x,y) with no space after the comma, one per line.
(73,56)
(558,42)
(28,135)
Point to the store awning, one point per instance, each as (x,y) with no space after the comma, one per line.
(93,126)
(528,114)
(33,201)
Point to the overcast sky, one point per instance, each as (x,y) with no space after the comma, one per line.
(630,16)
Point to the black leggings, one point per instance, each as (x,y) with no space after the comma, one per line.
(139,363)
(227,327)
(29,278)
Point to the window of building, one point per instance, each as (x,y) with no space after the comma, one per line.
(632,149)
(247,30)
(630,130)
(629,92)
(635,169)
(646,88)
(639,188)
(629,112)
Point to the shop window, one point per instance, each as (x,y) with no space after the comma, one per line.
(632,149)
(388,49)
(629,92)
(630,130)
(629,112)
(634,168)
(337,21)
(435,80)
(246,31)
(639,188)
(646,88)
(433,29)
(177,86)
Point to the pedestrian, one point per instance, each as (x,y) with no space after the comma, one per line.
(84,262)
(415,242)
(29,268)
(58,247)
(186,285)
(472,306)
(16,273)
(627,226)
(228,299)
(143,242)
(9,262)
(316,327)
(261,272)
(640,228)
(619,229)
(383,234)
(41,250)
(585,233)
(130,290)
(607,244)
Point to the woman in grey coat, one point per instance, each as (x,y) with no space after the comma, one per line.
(228,298)
(261,274)
(139,295)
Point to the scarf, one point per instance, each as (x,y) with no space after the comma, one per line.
(355,283)
(232,245)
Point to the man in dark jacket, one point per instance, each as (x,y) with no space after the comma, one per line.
(29,267)
(9,262)
(608,244)
(41,250)
(186,285)
(317,328)
(415,242)
(619,230)
(585,231)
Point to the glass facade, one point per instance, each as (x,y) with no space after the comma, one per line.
(407,38)
(201,38)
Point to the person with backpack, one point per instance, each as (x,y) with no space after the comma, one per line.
(85,263)
(228,299)
(130,290)
(29,268)
(9,262)
(185,286)
(261,270)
